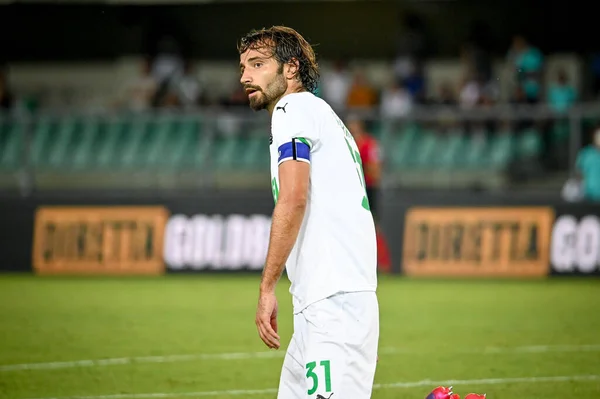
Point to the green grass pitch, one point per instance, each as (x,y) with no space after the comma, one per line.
(194,336)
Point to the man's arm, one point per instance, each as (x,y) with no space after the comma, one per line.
(288,214)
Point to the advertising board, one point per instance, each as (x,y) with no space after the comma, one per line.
(477,241)
(99,240)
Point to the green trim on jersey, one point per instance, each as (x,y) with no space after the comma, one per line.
(305,141)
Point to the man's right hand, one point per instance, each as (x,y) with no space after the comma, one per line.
(266,319)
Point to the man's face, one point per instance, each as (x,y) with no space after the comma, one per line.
(262,78)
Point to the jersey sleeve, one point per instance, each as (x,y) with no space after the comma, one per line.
(294,132)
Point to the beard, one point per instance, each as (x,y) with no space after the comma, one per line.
(264,98)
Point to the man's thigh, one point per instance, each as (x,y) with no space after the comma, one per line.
(291,382)
(340,346)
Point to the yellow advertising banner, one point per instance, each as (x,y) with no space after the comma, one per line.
(487,241)
(107,240)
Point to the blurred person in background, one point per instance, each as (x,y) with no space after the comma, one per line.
(370,155)
(335,85)
(446,96)
(140,92)
(588,168)
(361,93)
(411,49)
(561,94)
(396,101)
(185,90)
(528,63)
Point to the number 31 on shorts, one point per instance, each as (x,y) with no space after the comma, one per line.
(313,373)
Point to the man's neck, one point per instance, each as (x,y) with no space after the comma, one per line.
(271,106)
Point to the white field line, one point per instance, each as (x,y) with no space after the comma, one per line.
(280,354)
(395,385)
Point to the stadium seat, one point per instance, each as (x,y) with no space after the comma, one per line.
(529,144)
(155,150)
(426,150)
(501,150)
(474,155)
(256,151)
(224,153)
(83,152)
(43,132)
(400,149)
(11,146)
(109,144)
(60,147)
(133,143)
(560,132)
(450,150)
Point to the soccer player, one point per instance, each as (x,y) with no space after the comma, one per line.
(322,231)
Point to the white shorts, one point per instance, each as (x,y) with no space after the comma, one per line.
(333,350)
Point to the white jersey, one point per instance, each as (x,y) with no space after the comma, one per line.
(336,249)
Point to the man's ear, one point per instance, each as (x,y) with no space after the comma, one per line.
(292,68)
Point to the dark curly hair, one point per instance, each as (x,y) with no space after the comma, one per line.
(287,46)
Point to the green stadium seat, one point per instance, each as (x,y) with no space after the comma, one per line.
(251,156)
(12,146)
(135,138)
(450,149)
(501,150)
(59,149)
(475,154)
(560,132)
(109,144)
(155,150)
(224,153)
(43,137)
(200,151)
(529,143)
(83,153)
(425,151)
(400,149)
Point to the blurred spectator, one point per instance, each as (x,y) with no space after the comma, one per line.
(588,167)
(470,93)
(527,61)
(396,101)
(6,97)
(140,93)
(335,85)
(361,93)
(490,93)
(446,95)
(561,94)
(168,62)
(185,90)
(410,55)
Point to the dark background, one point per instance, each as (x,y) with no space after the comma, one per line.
(361,29)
